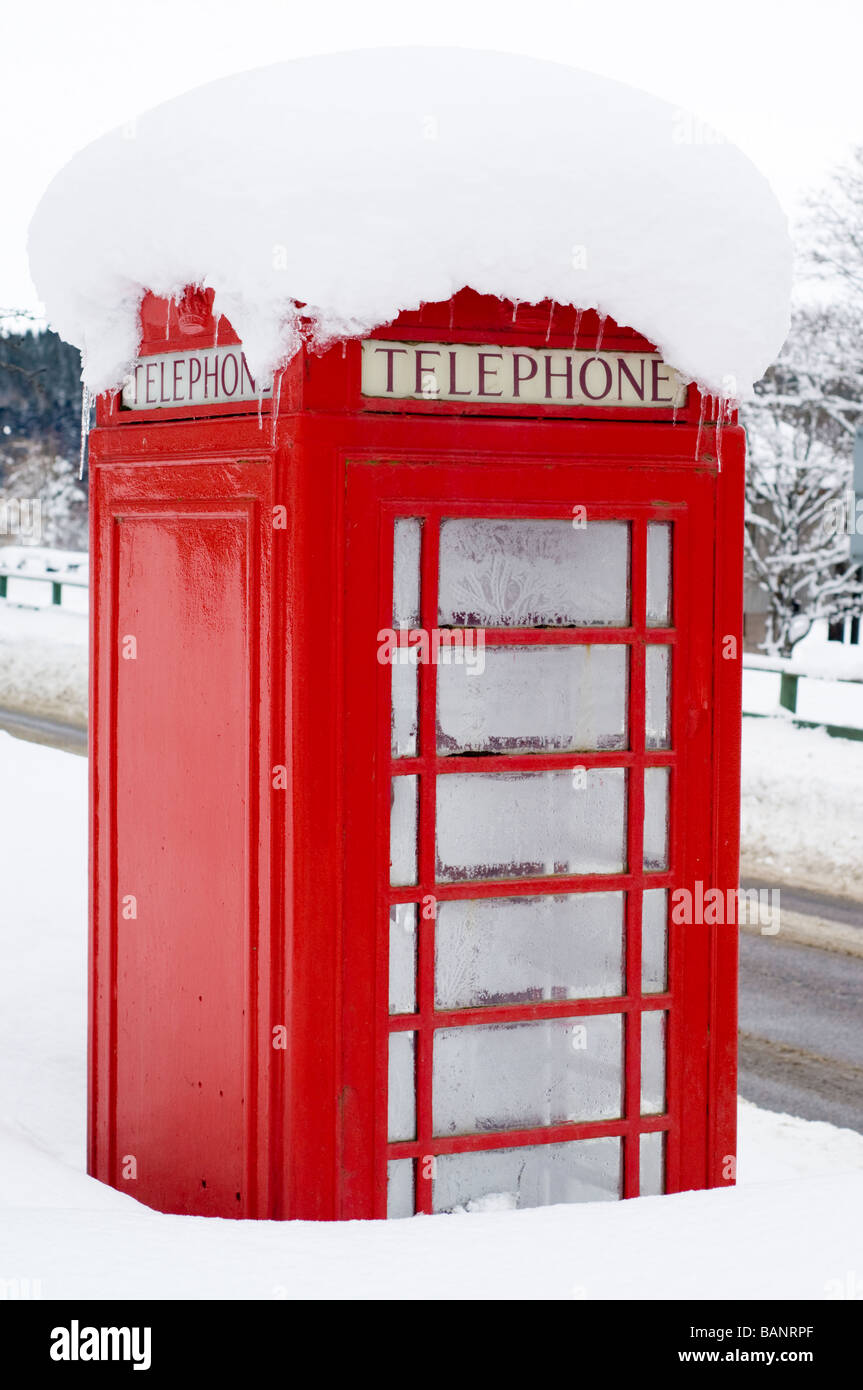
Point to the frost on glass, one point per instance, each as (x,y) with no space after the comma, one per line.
(406,572)
(525,950)
(530,824)
(653,1062)
(533,573)
(401,1090)
(400,1188)
(403,724)
(657,697)
(403,831)
(654,941)
(538,1175)
(659,574)
(656,817)
(519,1075)
(535,700)
(651,1165)
(403,958)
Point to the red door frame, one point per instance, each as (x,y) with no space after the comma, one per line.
(547,488)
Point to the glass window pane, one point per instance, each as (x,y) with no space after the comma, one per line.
(403,831)
(651,1165)
(654,941)
(527,824)
(534,699)
(401,1093)
(659,574)
(517,1075)
(523,950)
(406,572)
(537,1175)
(656,817)
(403,958)
(653,1062)
(533,573)
(400,1188)
(403,723)
(658,697)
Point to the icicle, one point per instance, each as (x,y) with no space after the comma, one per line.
(550,317)
(168,319)
(601,331)
(344,349)
(514,309)
(578,314)
(86,406)
(451,313)
(260,405)
(277,397)
(700,423)
(719,413)
(674,412)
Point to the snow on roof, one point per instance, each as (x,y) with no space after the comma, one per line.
(361,184)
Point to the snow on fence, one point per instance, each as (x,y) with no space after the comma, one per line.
(816,699)
(36,576)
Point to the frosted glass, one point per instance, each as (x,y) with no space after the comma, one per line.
(528,824)
(404,710)
(651,1162)
(533,573)
(403,831)
(658,573)
(403,958)
(657,697)
(535,699)
(400,1188)
(653,1062)
(537,1175)
(519,1075)
(401,1090)
(523,950)
(654,941)
(656,817)
(406,572)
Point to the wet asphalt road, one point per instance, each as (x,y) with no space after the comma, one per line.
(801,1025)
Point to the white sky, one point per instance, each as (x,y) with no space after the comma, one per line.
(781,78)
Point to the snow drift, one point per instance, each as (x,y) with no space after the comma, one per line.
(360,184)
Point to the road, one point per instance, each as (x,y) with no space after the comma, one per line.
(801,1024)
(35,729)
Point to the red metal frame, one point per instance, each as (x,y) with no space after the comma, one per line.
(343,468)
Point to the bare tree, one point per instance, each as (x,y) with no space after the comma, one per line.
(794,548)
(802,424)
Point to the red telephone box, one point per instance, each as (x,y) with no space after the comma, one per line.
(415,696)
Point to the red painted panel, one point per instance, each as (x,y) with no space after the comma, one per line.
(182,852)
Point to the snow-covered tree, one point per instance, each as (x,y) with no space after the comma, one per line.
(33,470)
(795,549)
(802,424)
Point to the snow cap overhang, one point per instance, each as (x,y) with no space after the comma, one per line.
(361,184)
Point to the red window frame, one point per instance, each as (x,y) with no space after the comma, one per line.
(376,495)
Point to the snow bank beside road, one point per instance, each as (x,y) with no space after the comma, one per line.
(360,184)
(802,820)
(43,662)
(790,1230)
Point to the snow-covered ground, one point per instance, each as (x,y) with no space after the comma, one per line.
(790,1229)
(43,658)
(802,810)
